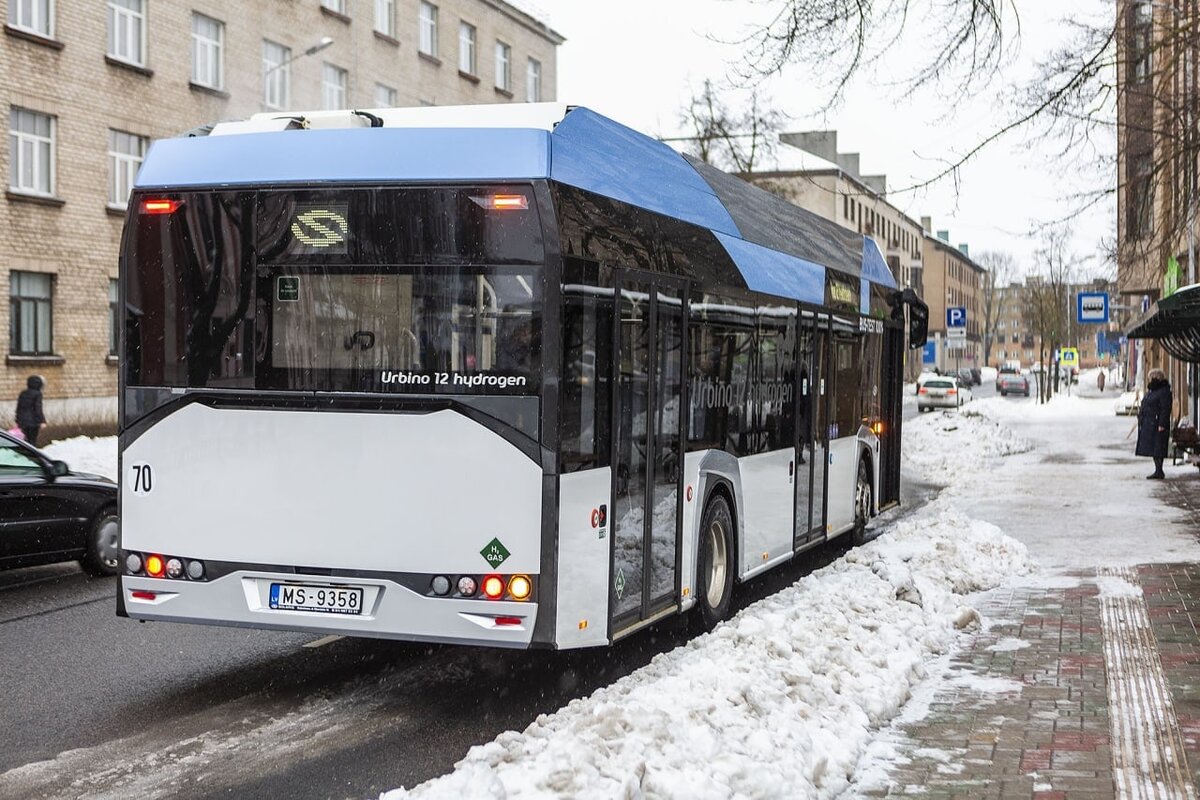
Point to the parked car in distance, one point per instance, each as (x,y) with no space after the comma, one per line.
(976,376)
(1007,369)
(1008,384)
(49,513)
(943,392)
(922,378)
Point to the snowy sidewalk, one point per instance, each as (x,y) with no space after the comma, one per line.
(1085,682)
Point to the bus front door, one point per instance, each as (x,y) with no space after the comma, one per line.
(822,388)
(647,449)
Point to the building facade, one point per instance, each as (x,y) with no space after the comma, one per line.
(952,280)
(87,85)
(1016,338)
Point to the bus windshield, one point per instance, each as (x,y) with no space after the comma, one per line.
(411,290)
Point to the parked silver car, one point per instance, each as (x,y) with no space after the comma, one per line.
(944,392)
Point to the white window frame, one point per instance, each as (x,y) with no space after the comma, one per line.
(123,164)
(427,29)
(276,74)
(131,23)
(336,6)
(533,81)
(385,17)
(33,16)
(503,66)
(213,51)
(334,80)
(467,33)
(385,96)
(24,145)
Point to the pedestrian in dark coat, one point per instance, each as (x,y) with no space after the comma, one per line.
(29,410)
(1154,422)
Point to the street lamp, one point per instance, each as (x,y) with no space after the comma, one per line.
(316,48)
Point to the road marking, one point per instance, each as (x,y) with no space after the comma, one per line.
(324,640)
(1147,747)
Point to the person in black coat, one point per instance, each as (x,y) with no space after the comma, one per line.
(29,410)
(1154,422)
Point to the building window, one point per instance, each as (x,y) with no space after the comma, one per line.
(336,6)
(35,16)
(114,317)
(428,32)
(208,37)
(333,87)
(1141,196)
(503,67)
(466,48)
(277,74)
(385,17)
(533,81)
(125,154)
(385,96)
(127,31)
(1140,42)
(31,145)
(31,314)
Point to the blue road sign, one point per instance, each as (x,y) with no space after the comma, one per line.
(929,354)
(1091,307)
(956,317)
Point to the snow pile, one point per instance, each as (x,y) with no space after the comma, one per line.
(946,446)
(86,454)
(782,700)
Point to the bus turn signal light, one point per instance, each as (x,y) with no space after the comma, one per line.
(159,206)
(877,428)
(155,567)
(502,202)
(520,587)
(493,587)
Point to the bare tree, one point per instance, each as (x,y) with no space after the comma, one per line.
(1048,303)
(732,140)
(1001,269)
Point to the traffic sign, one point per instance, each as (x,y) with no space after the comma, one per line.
(929,353)
(1091,307)
(1068,357)
(956,333)
(956,317)
(956,339)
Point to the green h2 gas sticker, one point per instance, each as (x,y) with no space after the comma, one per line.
(494,553)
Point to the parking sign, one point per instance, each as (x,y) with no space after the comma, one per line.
(956,317)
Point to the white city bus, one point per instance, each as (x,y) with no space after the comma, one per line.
(513,376)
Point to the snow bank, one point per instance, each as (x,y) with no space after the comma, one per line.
(947,446)
(86,454)
(782,700)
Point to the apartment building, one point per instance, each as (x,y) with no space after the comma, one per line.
(952,280)
(1158,186)
(1016,339)
(87,85)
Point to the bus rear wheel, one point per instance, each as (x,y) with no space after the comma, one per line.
(864,497)
(715,584)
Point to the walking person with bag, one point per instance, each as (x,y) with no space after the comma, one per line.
(29,410)
(1154,422)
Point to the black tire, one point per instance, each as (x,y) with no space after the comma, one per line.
(864,500)
(1004,394)
(716,545)
(103,556)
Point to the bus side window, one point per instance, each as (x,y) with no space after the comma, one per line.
(584,411)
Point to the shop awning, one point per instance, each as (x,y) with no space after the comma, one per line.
(1175,322)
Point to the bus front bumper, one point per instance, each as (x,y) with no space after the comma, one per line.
(389,610)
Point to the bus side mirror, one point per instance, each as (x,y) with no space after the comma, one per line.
(918,316)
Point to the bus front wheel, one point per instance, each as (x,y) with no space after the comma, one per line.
(715,587)
(863,501)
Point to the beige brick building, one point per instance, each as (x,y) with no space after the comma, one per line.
(86,85)
(952,280)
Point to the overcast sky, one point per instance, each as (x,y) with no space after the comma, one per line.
(640,62)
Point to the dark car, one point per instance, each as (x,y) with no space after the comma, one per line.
(1006,370)
(49,513)
(966,375)
(1009,383)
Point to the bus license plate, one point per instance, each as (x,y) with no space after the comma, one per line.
(326,599)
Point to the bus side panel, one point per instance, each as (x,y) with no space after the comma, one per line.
(767,494)
(390,492)
(843,474)
(584,531)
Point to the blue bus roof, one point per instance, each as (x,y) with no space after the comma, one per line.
(779,248)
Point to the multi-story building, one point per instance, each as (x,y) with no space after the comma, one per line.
(1158,142)
(952,280)
(86,86)
(1016,337)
